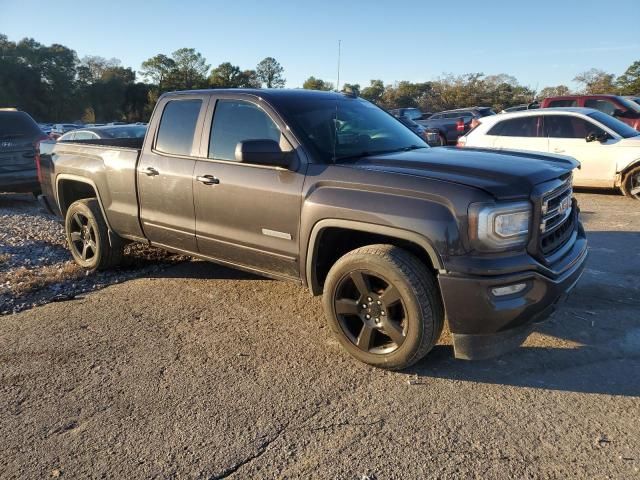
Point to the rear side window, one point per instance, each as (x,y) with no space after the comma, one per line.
(236,121)
(605,106)
(563,103)
(178,126)
(517,127)
(18,125)
(566,126)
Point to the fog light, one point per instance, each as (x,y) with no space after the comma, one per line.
(508,289)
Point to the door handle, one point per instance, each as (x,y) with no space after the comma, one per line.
(558,150)
(151,172)
(208,180)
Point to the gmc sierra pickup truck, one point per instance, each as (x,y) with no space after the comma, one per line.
(328,190)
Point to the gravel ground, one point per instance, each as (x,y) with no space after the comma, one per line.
(197,371)
(36,266)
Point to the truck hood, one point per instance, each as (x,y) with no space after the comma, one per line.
(502,173)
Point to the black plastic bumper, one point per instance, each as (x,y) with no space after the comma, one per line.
(484,325)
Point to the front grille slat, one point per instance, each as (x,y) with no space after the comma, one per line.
(558,218)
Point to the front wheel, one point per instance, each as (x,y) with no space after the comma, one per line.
(88,236)
(383,306)
(631,183)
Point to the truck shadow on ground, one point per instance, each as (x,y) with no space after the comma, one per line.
(591,344)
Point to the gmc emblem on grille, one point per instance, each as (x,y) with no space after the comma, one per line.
(565,205)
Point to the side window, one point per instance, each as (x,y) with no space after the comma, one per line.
(236,121)
(563,103)
(517,127)
(437,116)
(605,106)
(177,126)
(565,126)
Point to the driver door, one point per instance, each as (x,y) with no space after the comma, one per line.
(247,215)
(567,136)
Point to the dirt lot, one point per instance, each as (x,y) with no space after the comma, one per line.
(197,371)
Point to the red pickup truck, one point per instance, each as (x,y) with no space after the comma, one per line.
(621,108)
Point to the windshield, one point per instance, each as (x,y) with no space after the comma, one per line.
(621,128)
(133,131)
(343,127)
(631,105)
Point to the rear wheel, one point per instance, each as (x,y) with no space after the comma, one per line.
(631,183)
(383,306)
(442,140)
(88,236)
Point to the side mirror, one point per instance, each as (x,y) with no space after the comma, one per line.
(261,152)
(597,137)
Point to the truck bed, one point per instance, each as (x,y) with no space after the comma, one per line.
(112,166)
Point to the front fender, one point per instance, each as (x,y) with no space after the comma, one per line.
(427,221)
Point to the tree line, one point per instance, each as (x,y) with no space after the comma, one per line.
(53,84)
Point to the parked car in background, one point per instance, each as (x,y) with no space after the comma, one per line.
(608,150)
(411,113)
(391,232)
(60,129)
(452,124)
(523,106)
(19,138)
(116,123)
(633,99)
(619,107)
(46,127)
(94,133)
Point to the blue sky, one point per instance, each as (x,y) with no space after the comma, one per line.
(541,43)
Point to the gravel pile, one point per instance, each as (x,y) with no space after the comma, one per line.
(36,267)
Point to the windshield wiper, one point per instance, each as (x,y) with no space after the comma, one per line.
(367,153)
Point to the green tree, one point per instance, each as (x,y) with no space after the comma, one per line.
(374,91)
(157,68)
(269,72)
(313,83)
(190,69)
(629,82)
(354,87)
(596,81)
(227,75)
(557,91)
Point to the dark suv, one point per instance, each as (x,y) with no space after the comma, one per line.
(452,124)
(19,136)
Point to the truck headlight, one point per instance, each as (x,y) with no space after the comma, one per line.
(499,226)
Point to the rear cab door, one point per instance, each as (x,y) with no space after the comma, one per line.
(165,171)
(248,215)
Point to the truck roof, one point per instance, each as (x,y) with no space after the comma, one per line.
(268,93)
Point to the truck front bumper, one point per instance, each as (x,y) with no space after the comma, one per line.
(485,325)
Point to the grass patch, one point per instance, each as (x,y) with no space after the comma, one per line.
(24,280)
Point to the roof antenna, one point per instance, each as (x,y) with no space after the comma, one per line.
(338,82)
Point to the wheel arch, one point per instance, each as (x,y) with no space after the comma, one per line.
(71,188)
(322,251)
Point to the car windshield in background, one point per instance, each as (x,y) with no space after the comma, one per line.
(17,125)
(129,131)
(630,104)
(485,112)
(621,128)
(344,128)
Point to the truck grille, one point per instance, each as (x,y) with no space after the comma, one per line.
(558,218)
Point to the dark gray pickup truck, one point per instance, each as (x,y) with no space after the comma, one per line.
(330,191)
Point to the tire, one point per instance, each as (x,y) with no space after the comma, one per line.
(631,183)
(88,236)
(443,140)
(396,290)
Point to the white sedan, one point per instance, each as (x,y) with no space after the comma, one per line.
(608,150)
